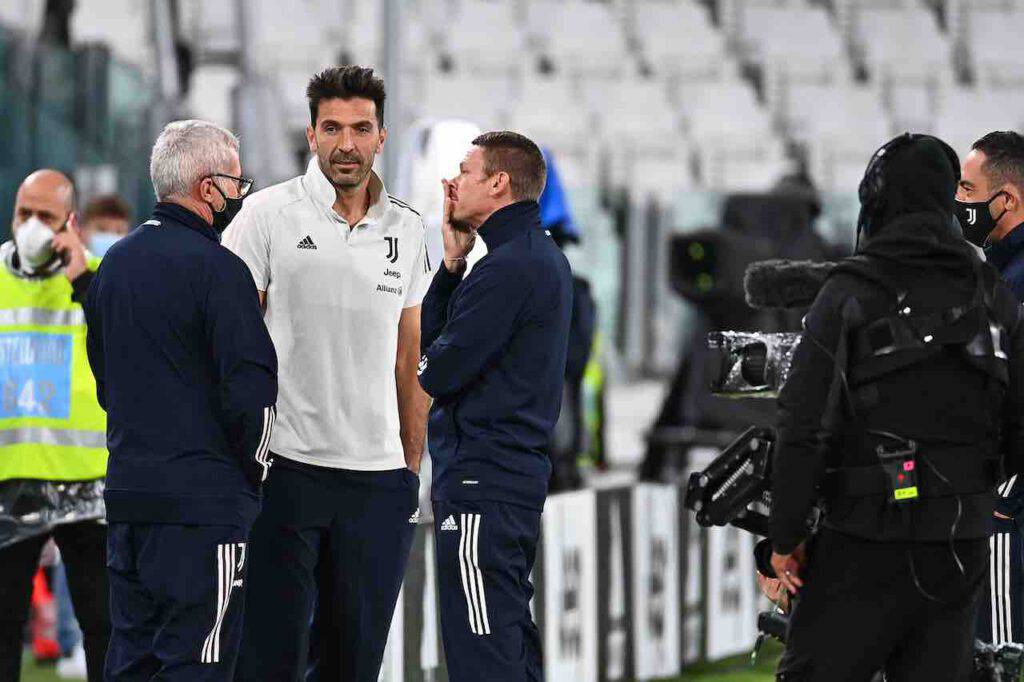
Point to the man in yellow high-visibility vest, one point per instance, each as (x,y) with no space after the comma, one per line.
(53,453)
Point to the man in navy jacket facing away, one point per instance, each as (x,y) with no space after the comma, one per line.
(187,373)
(494,350)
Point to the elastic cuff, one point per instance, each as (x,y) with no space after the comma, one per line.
(80,287)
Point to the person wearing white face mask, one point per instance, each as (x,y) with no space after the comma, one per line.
(53,455)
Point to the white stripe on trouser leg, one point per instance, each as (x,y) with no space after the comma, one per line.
(479,575)
(229,556)
(465,580)
(470,572)
(225,584)
(1004,602)
(992,602)
(997,560)
(1007,600)
(207,656)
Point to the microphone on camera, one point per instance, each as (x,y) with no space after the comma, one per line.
(784,283)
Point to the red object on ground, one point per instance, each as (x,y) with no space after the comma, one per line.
(43,620)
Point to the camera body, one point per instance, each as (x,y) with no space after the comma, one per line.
(751,364)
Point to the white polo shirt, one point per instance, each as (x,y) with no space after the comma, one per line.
(334,298)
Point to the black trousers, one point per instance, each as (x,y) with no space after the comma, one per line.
(336,538)
(83,548)
(861,610)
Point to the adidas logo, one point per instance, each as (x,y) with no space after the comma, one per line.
(415,518)
(307,243)
(449,524)
(422,366)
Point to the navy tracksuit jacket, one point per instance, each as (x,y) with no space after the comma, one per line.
(1001,611)
(494,354)
(187,373)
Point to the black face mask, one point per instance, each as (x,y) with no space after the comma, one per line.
(977,220)
(223,217)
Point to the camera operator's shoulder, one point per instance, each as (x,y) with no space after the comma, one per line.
(845,285)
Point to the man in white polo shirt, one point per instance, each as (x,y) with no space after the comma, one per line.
(341,269)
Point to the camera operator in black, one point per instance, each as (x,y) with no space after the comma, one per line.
(913,347)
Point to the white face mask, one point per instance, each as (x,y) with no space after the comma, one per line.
(34,241)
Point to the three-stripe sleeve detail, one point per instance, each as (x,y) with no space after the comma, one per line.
(472,577)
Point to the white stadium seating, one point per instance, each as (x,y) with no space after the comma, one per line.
(716,94)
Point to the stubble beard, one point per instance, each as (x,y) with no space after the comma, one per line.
(345,181)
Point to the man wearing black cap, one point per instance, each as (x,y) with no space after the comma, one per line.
(903,410)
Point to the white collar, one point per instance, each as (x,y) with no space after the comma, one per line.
(324,194)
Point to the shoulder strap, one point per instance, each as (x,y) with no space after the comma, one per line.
(872,270)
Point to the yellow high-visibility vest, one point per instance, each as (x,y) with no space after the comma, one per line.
(51,425)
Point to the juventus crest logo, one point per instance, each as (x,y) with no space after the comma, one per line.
(392,249)
(972,216)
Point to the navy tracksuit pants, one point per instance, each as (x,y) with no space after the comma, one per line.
(335,538)
(1001,608)
(485,553)
(176,600)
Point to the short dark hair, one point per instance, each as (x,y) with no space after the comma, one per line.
(345,82)
(517,155)
(107,206)
(1004,157)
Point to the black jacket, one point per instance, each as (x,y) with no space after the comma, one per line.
(494,357)
(1007,255)
(944,403)
(187,373)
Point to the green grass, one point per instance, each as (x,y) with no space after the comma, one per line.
(30,672)
(736,669)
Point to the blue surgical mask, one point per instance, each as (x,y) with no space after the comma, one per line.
(100,242)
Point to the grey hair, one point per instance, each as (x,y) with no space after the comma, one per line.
(185,152)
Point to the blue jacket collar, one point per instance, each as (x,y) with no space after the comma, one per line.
(1002,252)
(509,222)
(179,214)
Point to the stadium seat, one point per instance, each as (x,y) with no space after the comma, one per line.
(839,130)
(996,48)
(678,40)
(554,113)
(121,24)
(210,97)
(965,114)
(735,146)
(901,42)
(635,108)
(476,47)
(642,133)
(911,106)
(795,42)
(581,37)
(482,100)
